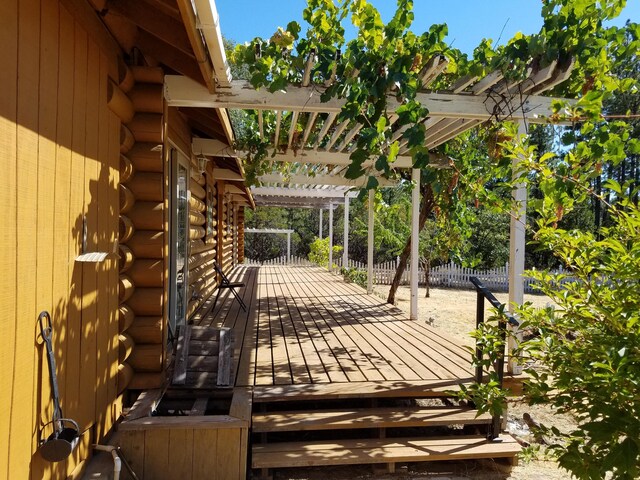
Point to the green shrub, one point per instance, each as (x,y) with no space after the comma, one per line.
(353,275)
(590,346)
(319,253)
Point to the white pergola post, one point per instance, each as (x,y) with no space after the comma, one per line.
(370,244)
(345,243)
(516,253)
(320,228)
(288,247)
(331,237)
(415,240)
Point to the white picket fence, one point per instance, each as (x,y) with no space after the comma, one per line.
(279,261)
(449,275)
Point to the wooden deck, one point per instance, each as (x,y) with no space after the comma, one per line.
(305,326)
(334,371)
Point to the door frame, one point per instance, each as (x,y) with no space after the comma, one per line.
(177,158)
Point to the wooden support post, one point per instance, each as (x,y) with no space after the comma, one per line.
(288,247)
(331,237)
(370,244)
(345,252)
(516,253)
(320,228)
(415,240)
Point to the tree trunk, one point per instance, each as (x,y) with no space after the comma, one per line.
(426,207)
(427,281)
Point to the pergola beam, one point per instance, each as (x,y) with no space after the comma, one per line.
(268,230)
(301,193)
(332,180)
(298,202)
(181,91)
(206,146)
(322,157)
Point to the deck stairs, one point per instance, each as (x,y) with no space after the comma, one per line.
(378,424)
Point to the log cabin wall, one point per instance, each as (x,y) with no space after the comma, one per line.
(240,234)
(203,239)
(142,241)
(234,232)
(59,155)
(225,229)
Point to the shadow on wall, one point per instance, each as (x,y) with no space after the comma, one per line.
(85,325)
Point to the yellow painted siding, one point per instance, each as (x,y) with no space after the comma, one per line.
(8,233)
(212,449)
(59,156)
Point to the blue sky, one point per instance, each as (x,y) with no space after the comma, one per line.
(469,21)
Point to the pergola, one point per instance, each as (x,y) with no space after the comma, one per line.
(319,157)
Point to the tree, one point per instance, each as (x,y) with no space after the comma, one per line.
(260,246)
(489,241)
(590,345)
(426,208)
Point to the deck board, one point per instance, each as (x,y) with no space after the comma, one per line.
(305,326)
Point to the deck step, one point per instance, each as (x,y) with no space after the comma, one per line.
(390,450)
(367,390)
(341,419)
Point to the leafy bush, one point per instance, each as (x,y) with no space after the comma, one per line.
(590,346)
(359,277)
(319,253)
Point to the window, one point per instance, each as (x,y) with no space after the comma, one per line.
(179,235)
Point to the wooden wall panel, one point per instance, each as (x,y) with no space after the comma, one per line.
(59,159)
(8,234)
(178,130)
(21,439)
(113,387)
(88,348)
(76,211)
(47,116)
(61,186)
(104,244)
(198,448)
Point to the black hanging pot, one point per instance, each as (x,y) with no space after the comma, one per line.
(65,436)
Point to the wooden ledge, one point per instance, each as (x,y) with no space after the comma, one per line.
(325,391)
(208,422)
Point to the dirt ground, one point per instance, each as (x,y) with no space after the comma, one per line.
(454,312)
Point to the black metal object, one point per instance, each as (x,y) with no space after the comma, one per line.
(484,293)
(225,283)
(63,440)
